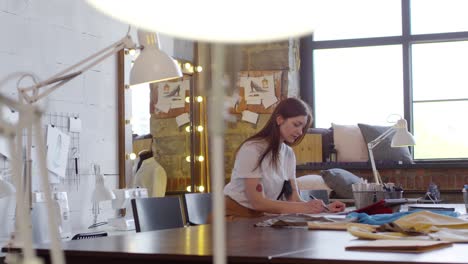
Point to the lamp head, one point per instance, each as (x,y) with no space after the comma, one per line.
(101,192)
(402,137)
(152,65)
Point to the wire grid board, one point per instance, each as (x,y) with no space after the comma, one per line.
(61,122)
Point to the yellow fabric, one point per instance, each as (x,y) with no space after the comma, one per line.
(365,231)
(425,221)
(437,226)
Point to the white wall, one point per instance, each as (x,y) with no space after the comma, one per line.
(46,36)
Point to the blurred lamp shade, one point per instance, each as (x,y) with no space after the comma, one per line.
(152,65)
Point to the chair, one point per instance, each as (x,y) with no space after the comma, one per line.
(197,207)
(156,213)
(307,195)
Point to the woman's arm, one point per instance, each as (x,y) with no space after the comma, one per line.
(254,192)
(295,197)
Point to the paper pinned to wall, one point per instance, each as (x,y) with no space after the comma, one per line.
(269,101)
(163,107)
(258,87)
(182,119)
(75,124)
(249,116)
(57,151)
(253,101)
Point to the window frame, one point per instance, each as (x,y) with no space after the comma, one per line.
(406,39)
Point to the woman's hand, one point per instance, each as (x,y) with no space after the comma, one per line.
(336,207)
(314,207)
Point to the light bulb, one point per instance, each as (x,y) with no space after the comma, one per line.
(132,52)
(199,99)
(187,65)
(187,129)
(200,128)
(201,158)
(189,188)
(188,158)
(132,156)
(201,188)
(199,69)
(187,99)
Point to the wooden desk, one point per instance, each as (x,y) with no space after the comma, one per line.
(246,244)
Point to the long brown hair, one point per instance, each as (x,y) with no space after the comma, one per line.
(290,107)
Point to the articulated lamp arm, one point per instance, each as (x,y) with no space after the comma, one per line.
(33,93)
(371,145)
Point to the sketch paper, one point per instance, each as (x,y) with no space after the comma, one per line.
(255,101)
(258,87)
(57,151)
(269,101)
(249,116)
(5,147)
(182,119)
(162,107)
(75,124)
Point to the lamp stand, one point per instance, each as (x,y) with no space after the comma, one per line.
(370,146)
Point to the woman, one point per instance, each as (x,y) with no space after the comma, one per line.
(263,179)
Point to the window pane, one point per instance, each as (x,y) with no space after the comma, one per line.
(436,16)
(440,130)
(439,70)
(359,19)
(358,85)
(140,109)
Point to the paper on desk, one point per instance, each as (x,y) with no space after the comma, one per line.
(57,151)
(182,119)
(75,124)
(249,116)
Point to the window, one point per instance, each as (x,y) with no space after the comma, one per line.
(407,57)
(140,109)
(371,76)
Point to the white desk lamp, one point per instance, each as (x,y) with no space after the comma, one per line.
(101,193)
(401,138)
(30,116)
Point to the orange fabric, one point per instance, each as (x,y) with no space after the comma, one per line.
(235,211)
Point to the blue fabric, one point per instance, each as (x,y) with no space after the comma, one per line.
(381,219)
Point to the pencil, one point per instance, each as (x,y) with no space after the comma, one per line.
(323,204)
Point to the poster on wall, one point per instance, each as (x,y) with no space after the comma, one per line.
(259,91)
(168,98)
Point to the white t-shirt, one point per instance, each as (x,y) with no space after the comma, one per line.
(271,179)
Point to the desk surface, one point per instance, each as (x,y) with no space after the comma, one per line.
(246,244)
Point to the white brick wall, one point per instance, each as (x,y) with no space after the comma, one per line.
(46,36)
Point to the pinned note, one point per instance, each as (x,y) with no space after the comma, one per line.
(182,119)
(249,116)
(75,124)
(269,101)
(57,151)
(163,107)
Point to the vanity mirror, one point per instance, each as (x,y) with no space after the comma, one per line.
(167,117)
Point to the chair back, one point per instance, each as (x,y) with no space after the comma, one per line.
(157,213)
(197,207)
(307,195)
